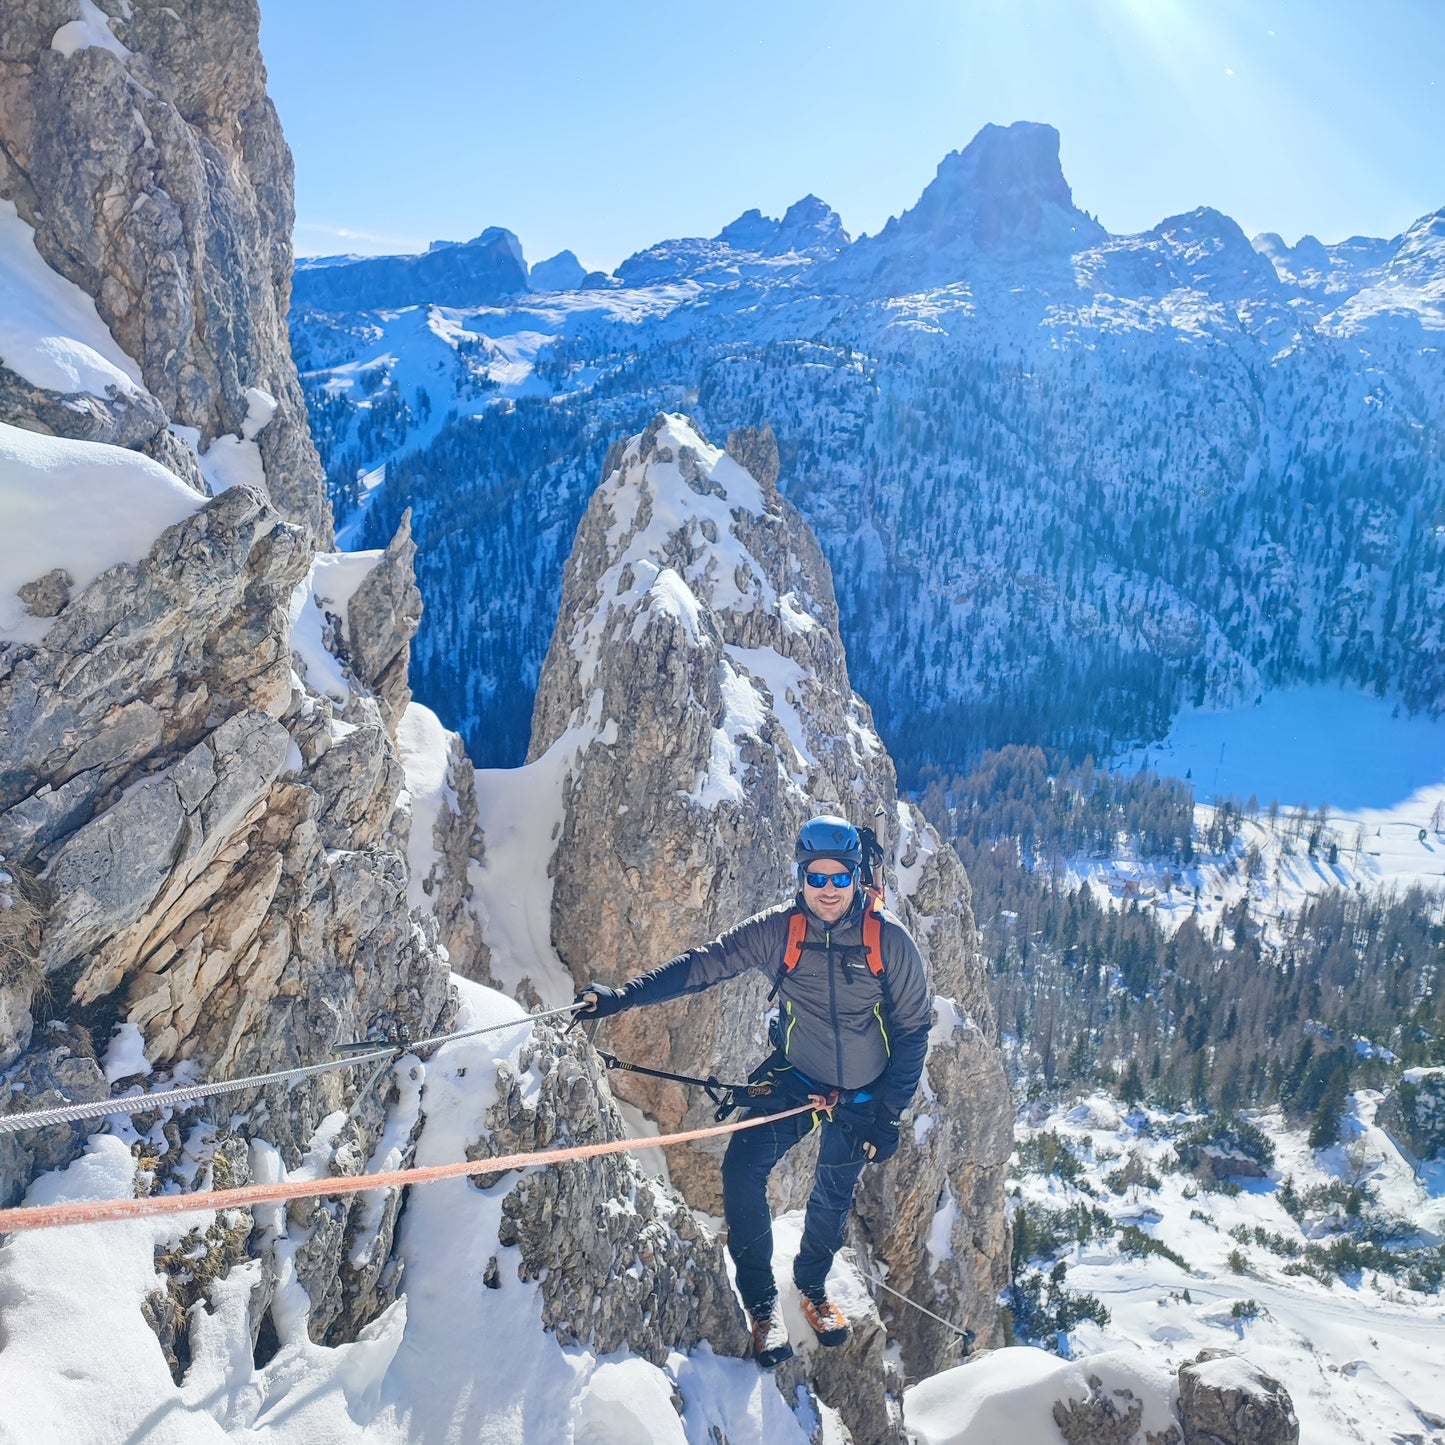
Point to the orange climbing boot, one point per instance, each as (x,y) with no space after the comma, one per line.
(770,1336)
(829,1323)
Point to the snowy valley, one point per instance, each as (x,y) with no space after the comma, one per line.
(1248,499)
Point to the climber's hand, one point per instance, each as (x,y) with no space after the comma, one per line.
(597,1001)
(880,1139)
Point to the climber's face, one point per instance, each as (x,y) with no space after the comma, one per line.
(830,901)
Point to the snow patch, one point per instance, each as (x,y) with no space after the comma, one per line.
(92,29)
(744,713)
(234,461)
(82,507)
(521,812)
(425,749)
(940,1231)
(126,1056)
(326,593)
(784,680)
(50,331)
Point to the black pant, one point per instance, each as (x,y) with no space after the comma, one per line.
(749,1160)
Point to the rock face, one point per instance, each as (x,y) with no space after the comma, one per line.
(1001,199)
(698,687)
(382,617)
(148,158)
(667,1283)
(220,853)
(1224,1400)
(196,844)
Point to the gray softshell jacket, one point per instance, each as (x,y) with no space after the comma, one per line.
(840,1026)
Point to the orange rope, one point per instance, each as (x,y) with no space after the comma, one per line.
(97,1211)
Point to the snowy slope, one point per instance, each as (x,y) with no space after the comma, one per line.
(453,1359)
(1360,1355)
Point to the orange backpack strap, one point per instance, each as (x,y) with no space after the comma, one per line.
(797,932)
(873,932)
(872,937)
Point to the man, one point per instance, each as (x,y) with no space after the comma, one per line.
(854,1009)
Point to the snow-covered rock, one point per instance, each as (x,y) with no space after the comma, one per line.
(142,149)
(695,708)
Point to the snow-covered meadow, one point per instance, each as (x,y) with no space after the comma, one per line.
(1360,789)
(1229,1266)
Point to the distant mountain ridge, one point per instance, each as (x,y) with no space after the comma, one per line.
(1003,197)
(1065,479)
(471,273)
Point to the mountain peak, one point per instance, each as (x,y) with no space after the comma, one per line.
(809,225)
(1006,188)
(1003,196)
(812,225)
(1004,163)
(750,232)
(562,272)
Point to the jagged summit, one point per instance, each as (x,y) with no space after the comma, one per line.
(753,246)
(562,272)
(1003,197)
(809,226)
(1210,251)
(1419,258)
(750,232)
(813,225)
(1313,267)
(1007,181)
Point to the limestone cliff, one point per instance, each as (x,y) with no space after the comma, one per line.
(207,832)
(698,688)
(139,142)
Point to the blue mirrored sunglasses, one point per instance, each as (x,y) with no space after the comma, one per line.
(822,880)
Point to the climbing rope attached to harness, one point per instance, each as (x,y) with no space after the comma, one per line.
(97,1211)
(348,1055)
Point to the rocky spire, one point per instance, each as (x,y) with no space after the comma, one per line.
(699,691)
(1002,200)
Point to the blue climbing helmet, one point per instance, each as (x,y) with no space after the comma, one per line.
(829,837)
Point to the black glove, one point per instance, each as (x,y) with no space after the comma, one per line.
(880,1136)
(597,1001)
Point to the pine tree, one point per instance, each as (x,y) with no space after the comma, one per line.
(1326,1128)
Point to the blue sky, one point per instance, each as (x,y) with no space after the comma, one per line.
(605,127)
